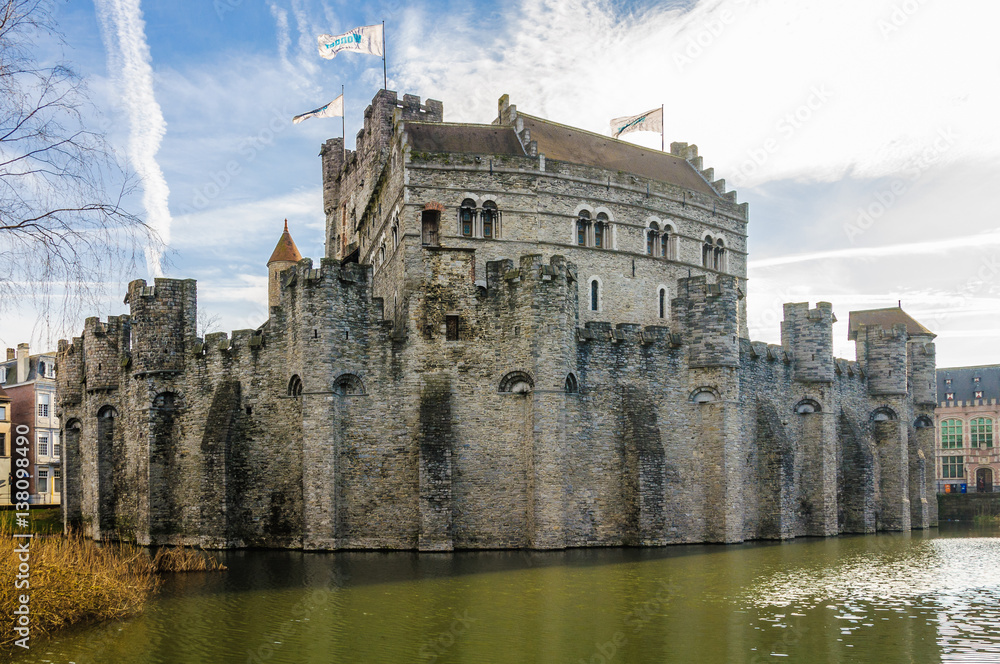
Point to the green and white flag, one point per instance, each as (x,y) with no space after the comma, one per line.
(366,39)
(648,121)
(335,109)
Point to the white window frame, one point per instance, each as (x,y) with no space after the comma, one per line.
(42,474)
(44,405)
(43,443)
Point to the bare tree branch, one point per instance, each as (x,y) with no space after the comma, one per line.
(67,234)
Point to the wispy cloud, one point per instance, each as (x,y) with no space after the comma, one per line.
(933,247)
(123,31)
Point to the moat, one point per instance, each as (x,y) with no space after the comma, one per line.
(925,596)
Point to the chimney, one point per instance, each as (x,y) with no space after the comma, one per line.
(22,363)
(11,354)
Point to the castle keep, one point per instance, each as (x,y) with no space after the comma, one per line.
(522,335)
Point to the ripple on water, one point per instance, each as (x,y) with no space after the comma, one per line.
(953,584)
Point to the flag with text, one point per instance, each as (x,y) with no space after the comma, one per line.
(366,39)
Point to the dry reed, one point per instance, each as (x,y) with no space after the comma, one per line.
(76,580)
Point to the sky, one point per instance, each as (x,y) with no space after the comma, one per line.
(862,133)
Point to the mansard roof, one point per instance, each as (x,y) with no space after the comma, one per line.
(578,146)
(886,318)
(560,143)
(285,249)
(478,139)
(963,382)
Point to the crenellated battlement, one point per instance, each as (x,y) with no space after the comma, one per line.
(689,152)
(807,334)
(164,320)
(707,316)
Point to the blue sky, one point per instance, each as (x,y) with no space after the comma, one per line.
(861,132)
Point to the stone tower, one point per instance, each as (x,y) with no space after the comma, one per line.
(284,256)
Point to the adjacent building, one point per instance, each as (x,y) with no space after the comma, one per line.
(968,452)
(30,383)
(5,444)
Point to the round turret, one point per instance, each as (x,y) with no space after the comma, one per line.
(284,256)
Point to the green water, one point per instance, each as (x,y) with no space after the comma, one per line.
(921,597)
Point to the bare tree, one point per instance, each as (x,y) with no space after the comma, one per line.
(66,233)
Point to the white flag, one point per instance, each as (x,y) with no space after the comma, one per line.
(366,39)
(648,121)
(334,109)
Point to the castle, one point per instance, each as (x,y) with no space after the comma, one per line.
(522,335)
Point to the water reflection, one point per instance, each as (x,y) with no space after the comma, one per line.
(892,598)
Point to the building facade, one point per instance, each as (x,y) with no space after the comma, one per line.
(6,442)
(968,451)
(522,335)
(30,382)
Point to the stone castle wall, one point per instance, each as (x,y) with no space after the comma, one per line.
(467,395)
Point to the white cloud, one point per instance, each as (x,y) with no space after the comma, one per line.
(123,31)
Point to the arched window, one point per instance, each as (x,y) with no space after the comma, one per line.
(348,385)
(884,414)
(429,221)
(602,231)
(295,386)
(923,422)
(517,382)
(662,302)
(704,395)
(951,434)
(665,244)
(572,387)
(467,217)
(583,228)
(719,256)
(807,406)
(708,252)
(381,255)
(491,218)
(595,295)
(981,432)
(651,238)
(395,236)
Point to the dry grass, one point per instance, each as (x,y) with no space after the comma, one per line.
(185,559)
(76,580)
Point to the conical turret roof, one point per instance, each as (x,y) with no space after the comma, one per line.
(285,249)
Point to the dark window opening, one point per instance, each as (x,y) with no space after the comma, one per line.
(295,386)
(663,303)
(249,410)
(490,218)
(572,386)
(429,221)
(595,295)
(451,328)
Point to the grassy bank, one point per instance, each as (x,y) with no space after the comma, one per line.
(76,580)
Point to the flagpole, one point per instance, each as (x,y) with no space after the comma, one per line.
(343,122)
(662,122)
(385,70)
